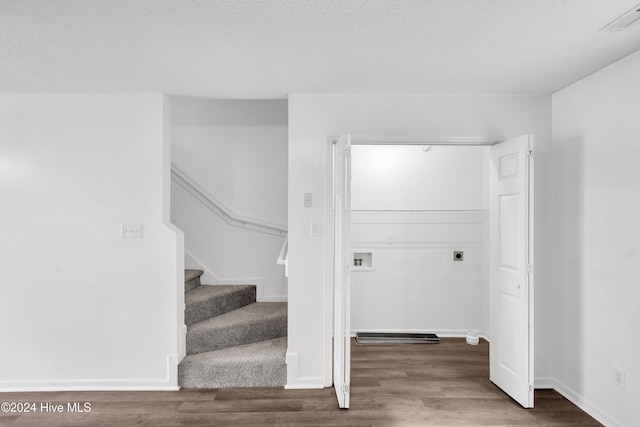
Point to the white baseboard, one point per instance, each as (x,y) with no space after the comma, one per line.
(484,335)
(90,385)
(182,343)
(170,382)
(307,383)
(544,383)
(274,298)
(172,370)
(585,405)
(293,381)
(116,384)
(291,360)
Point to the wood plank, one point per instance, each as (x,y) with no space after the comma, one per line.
(414,385)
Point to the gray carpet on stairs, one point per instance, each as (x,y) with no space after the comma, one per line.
(232,340)
(261,364)
(208,301)
(255,322)
(192,279)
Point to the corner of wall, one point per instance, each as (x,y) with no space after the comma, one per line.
(293,381)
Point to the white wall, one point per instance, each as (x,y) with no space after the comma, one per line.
(312,118)
(431,203)
(414,284)
(237,151)
(407,177)
(596,206)
(82,308)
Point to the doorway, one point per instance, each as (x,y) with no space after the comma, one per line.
(388,235)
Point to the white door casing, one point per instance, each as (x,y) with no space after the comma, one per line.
(342,270)
(511,268)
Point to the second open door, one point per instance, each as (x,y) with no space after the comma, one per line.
(342,270)
(511,268)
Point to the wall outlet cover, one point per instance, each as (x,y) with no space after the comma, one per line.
(316,229)
(617,376)
(131,231)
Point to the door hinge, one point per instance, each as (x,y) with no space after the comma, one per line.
(345,388)
(529,269)
(529,153)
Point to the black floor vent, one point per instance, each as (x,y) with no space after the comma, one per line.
(395,338)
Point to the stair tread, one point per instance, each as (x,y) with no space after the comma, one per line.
(192,274)
(256,312)
(274,349)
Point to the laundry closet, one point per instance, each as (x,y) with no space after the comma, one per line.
(420,239)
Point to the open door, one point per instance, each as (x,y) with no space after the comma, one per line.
(511,299)
(342,270)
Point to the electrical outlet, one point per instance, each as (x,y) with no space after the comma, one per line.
(316,229)
(131,231)
(617,376)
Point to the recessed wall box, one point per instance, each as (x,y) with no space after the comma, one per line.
(362,260)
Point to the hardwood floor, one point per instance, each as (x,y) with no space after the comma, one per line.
(416,385)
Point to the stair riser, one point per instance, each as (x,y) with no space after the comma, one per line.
(196,375)
(192,284)
(203,310)
(250,332)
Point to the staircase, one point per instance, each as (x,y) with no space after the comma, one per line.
(232,340)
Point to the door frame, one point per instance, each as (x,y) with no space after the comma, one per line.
(371,139)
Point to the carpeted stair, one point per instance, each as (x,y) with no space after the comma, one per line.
(232,340)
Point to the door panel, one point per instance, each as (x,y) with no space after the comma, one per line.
(342,270)
(508,232)
(511,299)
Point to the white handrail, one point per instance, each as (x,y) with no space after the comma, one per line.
(283,258)
(223,211)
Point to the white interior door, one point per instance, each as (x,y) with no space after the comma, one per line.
(342,270)
(511,300)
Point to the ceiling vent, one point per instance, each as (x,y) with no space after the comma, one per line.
(624,21)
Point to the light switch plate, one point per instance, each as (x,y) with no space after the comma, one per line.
(308,200)
(131,231)
(316,229)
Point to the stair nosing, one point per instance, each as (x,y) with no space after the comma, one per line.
(224,289)
(190,274)
(198,357)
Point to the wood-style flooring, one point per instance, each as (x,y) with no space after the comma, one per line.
(404,385)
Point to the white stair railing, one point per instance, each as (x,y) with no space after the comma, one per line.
(223,211)
(283,258)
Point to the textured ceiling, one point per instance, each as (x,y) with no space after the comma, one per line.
(270,48)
